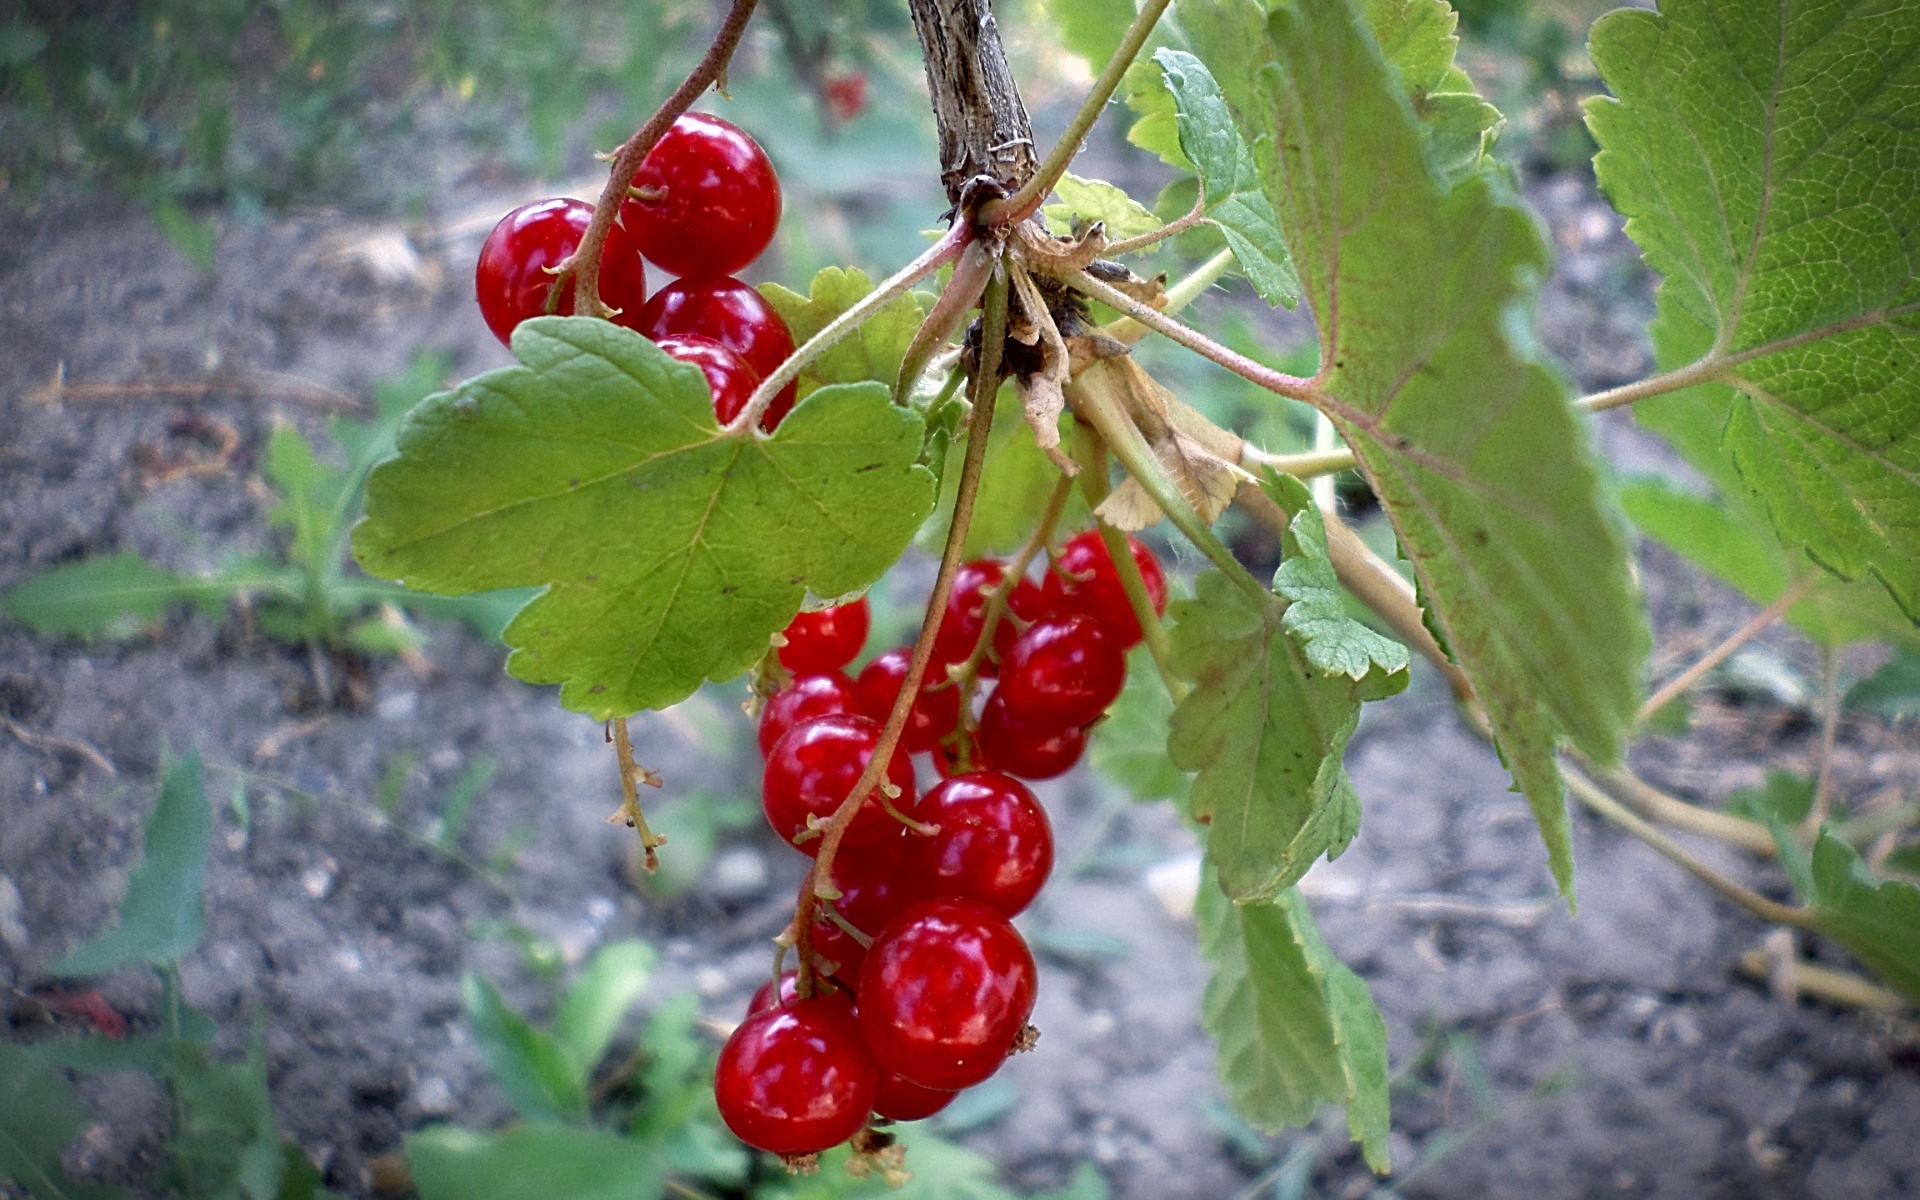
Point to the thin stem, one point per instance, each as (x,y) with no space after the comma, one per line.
(1023,203)
(1128,331)
(585,261)
(938,255)
(1674,687)
(986,383)
(1596,798)
(1823,983)
(1657,805)
(1154,237)
(1152,630)
(1300,466)
(996,609)
(1279,382)
(631,775)
(1829,732)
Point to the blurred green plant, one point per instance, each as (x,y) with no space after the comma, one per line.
(304,595)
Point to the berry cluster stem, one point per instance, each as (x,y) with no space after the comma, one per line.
(996,609)
(585,263)
(985,385)
(631,775)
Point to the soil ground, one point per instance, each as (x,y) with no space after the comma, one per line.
(1615,1053)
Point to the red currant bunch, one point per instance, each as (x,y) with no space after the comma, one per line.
(917,952)
(703,205)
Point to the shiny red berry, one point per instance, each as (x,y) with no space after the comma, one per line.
(1084,580)
(512,281)
(935,712)
(994,844)
(1029,751)
(808,696)
(1061,671)
(796,1078)
(947,987)
(873,891)
(814,767)
(764,997)
(901,1099)
(828,639)
(705,200)
(727,311)
(729,377)
(966,611)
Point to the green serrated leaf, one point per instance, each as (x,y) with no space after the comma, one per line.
(1468,439)
(1767,165)
(1877,920)
(160,917)
(873,352)
(1156,128)
(670,551)
(1097,200)
(1265,725)
(1229,179)
(113,596)
(1417,38)
(1316,616)
(1130,746)
(39,1115)
(533,1162)
(539,1077)
(591,1012)
(1293,1028)
(1891,691)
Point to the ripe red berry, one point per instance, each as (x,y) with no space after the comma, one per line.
(814,767)
(1029,751)
(807,697)
(1061,671)
(764,998)
(947,987)
(729,377)
(828,639)
(873,890)
(1084,580)
(901,1099)
(705,200)
(966,610)
(994,844)
(796,1078)
(727,311)
(934,713)
(846,94)
(512,280)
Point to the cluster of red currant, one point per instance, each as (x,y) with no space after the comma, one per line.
(939,995)
(703,205)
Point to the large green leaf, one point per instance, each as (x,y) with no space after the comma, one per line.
(39,1115)
(533,1162)
(872,352)
(1420,289)
(670,551)
(160,917)
(1229,180)
(1768,162)
(1294,1028)
(1278,684)
(1417,38)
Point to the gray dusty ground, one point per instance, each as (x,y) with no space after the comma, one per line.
(1539,1055)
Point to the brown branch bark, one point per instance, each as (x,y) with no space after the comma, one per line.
(983,123)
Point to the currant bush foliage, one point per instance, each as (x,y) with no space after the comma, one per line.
(1466,436)
(670,550)
(1769,166)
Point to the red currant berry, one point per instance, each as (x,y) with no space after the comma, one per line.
(807,697)
(796,1078)
(1061,671)
(873,890)
(1029,751)
(934,714)
(966,611)
(727,311)
(814,767)
(947,987)
(828,639)
(901,1099)
(729,377)
(764,998)
(1084,580)
(947,758)
(512,280)
(846,94)
(705,200)
(995,844)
